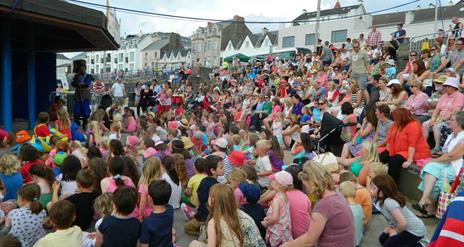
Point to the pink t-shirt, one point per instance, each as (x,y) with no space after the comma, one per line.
(131,125)
(239,197)
(450,103)
(3,134)
(417,103)
(339,230)
(300,208)
(143,191)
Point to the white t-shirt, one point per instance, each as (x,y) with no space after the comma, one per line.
(118,90)
(263,164)
(176,191)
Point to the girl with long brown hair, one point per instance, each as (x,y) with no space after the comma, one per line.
(404,227)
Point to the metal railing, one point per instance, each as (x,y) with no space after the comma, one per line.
(135,75)
(416,42)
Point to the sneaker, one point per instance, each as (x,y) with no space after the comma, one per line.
(187,212)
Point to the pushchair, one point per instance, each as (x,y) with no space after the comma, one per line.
(330,132)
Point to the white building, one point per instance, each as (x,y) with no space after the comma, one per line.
(173,59)
(252,45)
(337,24)
(129,56)
(334,27)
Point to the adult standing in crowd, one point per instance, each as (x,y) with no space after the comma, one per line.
(146,95)
(326,55)
(81,83)
(359,68)
(400,34)
(374,38)
(457,28)
(118,92)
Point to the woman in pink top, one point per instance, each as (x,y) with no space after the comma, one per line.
(300,206)
(332,223)
(417,102)
(275,109)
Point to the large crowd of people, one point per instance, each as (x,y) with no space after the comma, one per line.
(238,156)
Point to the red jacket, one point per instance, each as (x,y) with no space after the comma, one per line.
(409,136)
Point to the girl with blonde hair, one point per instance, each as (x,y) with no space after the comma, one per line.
(359,166)
(63,123)
(95,136)
(152,171)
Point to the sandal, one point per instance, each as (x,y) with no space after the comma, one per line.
(425,216)
(421,208)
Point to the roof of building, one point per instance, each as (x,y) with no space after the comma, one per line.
(327,12)
(58,26)
(183,52)
(61,56)
(420,15)
(157,45)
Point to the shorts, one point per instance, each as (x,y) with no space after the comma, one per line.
(361,79)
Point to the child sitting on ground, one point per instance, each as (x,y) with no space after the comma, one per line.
(41,129)
(277,221)
(84,199)
(62,215)
(214,167)
(157,228)
(251,206)
(234,179)
(192,188)
(362,195)
(25,223)
(119,229)
(348,190)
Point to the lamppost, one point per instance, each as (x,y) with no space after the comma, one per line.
(436,15)
(318,16)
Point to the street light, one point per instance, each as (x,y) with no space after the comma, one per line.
(436,14)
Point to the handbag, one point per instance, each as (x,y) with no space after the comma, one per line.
(328,161)
(445,197)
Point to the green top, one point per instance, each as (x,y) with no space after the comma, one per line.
(267,107)
(44,199)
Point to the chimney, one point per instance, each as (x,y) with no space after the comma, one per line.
(174,41)
(305,11)
(337,5)
(238,18)
(408,17)
(264,31)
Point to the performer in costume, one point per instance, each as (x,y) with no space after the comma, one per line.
(81,83)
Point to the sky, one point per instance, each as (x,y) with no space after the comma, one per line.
(256,10)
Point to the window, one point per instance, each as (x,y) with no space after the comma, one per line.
(310,39)
(209,46)
(247,44)
(97,59)
(146,54)
(121,57)
(132,56)
(288,41)
(339,36)
(156,54)
(131,67)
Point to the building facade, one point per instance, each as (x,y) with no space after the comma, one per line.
(209,41)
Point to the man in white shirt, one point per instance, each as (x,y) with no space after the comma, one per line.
(118,91)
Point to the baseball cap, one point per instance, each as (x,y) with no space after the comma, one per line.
(59,157)
(221,142)
(250,191)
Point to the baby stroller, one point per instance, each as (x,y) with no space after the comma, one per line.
(330,131)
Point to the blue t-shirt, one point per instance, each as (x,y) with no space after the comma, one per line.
(398,34)
(390,72)
(119,232)
(12,183)
(305,118)
(203,194)
(157,229)
(256,212)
